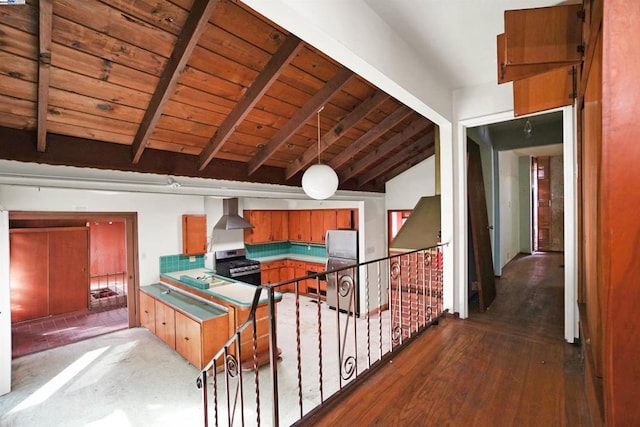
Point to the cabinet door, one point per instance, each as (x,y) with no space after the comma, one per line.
(165,323)
(194,234)
(29,285)
(279,226)
(329,221)
(261,230)
(294,225)
(189,339)
(317,226)
(147,312)
(305,226)
(68,270)
(344,219)
(271,275)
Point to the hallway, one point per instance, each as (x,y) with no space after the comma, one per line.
(508,366)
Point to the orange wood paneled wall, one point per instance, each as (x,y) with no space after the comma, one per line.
(108,247)
(620,204)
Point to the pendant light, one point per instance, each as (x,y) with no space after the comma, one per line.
(320,181)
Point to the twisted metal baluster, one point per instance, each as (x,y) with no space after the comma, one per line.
(366,296)
(319,338)
(255,369)
(298,348)
(379,311)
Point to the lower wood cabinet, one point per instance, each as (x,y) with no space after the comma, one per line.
(194,328)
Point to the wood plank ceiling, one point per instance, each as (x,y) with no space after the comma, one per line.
(199,88)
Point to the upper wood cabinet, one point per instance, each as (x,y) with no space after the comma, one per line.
(300,225)
(321,221)
(268,226)
(194,234)
(538,52)
(347,219)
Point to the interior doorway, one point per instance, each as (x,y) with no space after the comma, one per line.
(547,204)
(97,249)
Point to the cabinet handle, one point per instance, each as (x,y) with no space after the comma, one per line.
(146,312)
(163,323)
(186,338)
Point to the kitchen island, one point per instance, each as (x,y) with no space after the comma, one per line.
(236,297)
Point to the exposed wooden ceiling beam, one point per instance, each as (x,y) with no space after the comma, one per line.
(409,163)
(407,153)
(193,28)
(350,120)
(44,69)
(385,148)
(260,85)
(368,138)
(300,118)
(17,144)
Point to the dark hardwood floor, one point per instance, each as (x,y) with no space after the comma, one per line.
(505,367)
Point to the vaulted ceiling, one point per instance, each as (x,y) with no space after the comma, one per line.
(197,88)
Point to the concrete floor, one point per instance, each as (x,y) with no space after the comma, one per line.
(131,378)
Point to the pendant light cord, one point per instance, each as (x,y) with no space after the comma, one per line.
(321,108)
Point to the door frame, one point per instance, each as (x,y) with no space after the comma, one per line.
(569,151)
(131,242)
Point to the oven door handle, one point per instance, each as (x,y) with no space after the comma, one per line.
(244,273)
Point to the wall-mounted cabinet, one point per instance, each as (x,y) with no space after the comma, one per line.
(194,234)
(307,225)
(268,226)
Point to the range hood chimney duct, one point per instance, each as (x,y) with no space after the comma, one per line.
(230,219)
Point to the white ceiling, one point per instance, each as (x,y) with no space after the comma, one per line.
(459,36)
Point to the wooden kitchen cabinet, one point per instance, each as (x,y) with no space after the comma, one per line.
(268,226)
(270,272)
(194,234)
(312,284)
(195,329)
(346,219)
(60,283)
(165,323)
(321,221)
(300,225)
(147,312)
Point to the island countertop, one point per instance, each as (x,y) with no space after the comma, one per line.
(232,291)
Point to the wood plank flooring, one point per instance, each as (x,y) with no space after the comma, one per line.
(508,366)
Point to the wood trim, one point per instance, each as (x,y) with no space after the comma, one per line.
(45,12)
(371,136)
(193,28)
(386,147)
(278,62)
(350,120)
(413,150)
(300,118)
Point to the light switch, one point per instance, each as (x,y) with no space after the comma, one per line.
(192,258)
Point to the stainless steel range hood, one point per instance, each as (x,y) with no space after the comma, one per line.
(230,219)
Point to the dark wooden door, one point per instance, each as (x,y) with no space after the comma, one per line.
(68,270)
(543,203)
(479,224)
(29,274)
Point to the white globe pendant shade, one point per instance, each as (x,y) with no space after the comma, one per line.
(320,182)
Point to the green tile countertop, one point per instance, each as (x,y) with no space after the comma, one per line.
(223,288)
(297,257)
(193,306)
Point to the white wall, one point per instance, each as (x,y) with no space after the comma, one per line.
(5,306)
(404,191)
(159,215)
(526,221)
(509,207)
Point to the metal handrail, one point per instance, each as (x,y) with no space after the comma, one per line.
(406,319)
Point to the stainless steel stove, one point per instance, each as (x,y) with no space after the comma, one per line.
(235,265)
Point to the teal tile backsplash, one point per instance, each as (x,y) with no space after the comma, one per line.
(171,263)
(281,248)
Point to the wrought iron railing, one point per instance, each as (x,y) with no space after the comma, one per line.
(279,369)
